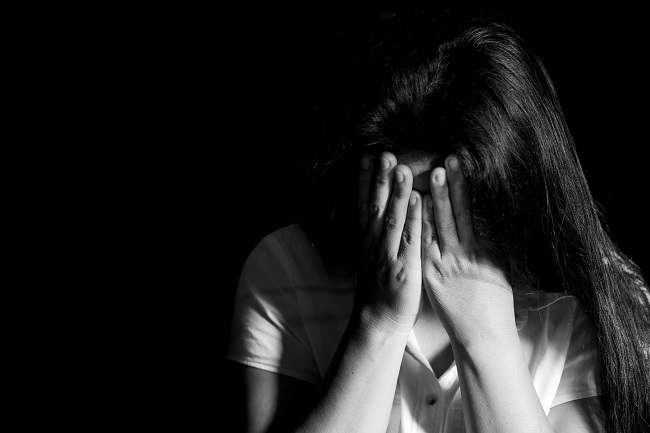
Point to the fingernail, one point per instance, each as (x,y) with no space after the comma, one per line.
(440,178)
(399,176)
(428,203)
(413,199)
(385,163)
(452,163)
(365,162)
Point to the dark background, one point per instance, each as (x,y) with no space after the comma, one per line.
(225,95)
(169,138)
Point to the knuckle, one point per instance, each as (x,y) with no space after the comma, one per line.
(375,210)
(457,264)
(463,216)
(429,239)
(410,232)
(401,191)
(391,223)
(401,275)
(432,274)
(408,237)
(447,226)
(441,193)
(365,175)
(429,219)
(474,254)
(411,220)
(362,206)
(381,179)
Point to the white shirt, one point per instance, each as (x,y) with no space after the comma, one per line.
(290,314)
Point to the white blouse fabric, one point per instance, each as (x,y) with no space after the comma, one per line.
(290,314)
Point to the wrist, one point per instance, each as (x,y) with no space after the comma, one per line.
(495,343)
(493,325)
(373,326)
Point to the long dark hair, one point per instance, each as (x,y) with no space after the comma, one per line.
(448,83)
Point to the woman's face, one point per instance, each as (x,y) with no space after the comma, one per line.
(421,167)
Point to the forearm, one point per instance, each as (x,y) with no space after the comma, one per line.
(498,393)
(359,389)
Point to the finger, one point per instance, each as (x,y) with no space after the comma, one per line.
(412,233)
(380,193)
(442,211)
(430,247)
(366,166)
(397,208)
(459,200)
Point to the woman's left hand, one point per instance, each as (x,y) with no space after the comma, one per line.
(467,289)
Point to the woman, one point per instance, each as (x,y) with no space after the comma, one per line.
(452,272)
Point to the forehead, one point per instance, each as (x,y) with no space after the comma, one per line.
(421,165)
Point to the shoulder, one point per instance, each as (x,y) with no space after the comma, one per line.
(561,347)
(553,317)
(288,240)
(558,319)
(535,309)
(293,244)
(287,255)
(546,323)
(279,245)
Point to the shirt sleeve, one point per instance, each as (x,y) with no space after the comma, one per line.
(581,373)
(267,330)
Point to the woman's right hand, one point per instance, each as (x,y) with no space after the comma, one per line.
(389,277)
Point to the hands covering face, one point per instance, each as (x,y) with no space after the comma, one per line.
(409,241)
(390,218)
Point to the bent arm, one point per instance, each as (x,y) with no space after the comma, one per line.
(358,391)
(471,293)
(355,396)
(585,415)
(498,394)
(263,400)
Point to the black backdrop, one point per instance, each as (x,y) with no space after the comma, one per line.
(230,90)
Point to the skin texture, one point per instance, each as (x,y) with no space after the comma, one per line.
(460,278)
(390,273)
(416,235)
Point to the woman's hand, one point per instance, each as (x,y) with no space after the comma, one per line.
(468,290)
(390,219)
